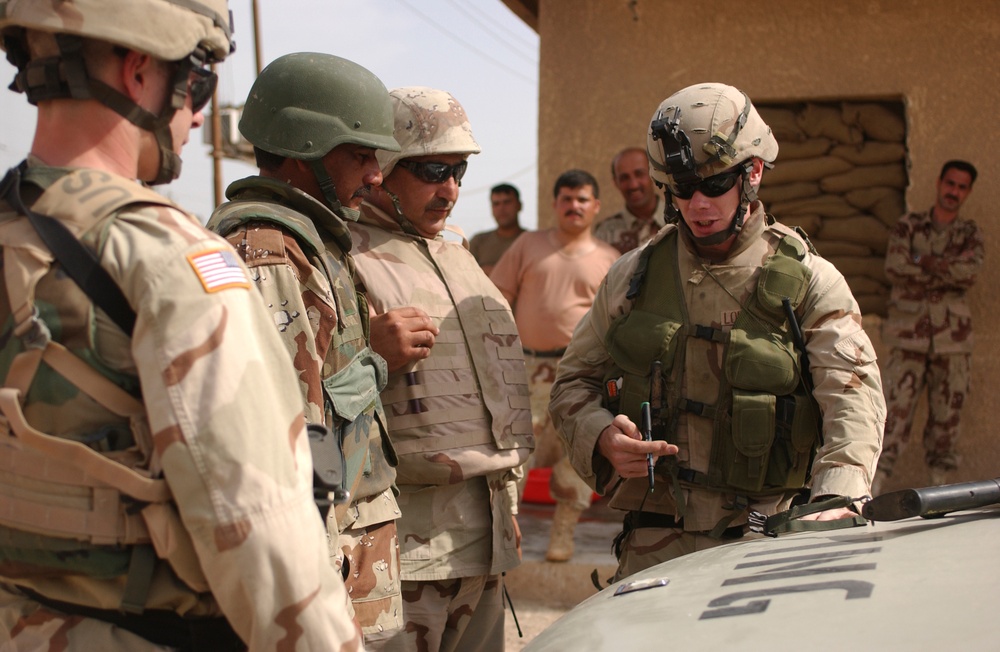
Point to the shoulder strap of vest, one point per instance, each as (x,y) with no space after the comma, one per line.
(239,212)
(80,263)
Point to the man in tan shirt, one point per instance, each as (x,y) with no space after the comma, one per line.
(550,278)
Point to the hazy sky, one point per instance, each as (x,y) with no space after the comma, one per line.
(479,51)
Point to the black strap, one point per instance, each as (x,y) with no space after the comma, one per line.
(80,263)
(209,634)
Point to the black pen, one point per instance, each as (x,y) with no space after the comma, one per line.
(647,435)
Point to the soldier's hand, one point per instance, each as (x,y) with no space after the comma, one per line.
(622,445)
(402,336)
(830,515)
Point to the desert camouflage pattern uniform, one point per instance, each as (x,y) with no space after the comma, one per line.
(929,332)
(844,371)
(218,420)
(565,485)
(313,304)
(460,423)
(625,232)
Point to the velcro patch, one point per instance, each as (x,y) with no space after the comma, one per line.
(218,269)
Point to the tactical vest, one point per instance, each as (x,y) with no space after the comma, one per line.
(353,375)
(478,340)
(82,489)
(766,422)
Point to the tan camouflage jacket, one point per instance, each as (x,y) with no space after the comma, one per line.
(844,370)
(278,230)
(227,431)
(625,232)
(927,308)
(459,420)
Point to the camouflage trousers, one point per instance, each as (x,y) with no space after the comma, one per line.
(946,378)
(372,580)
(455,615)
(27,626)
(565,483)
(642,548)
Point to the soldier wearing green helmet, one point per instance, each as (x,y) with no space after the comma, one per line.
(155,461)
(316,122)
(739,344)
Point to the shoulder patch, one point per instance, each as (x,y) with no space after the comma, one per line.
(218,269)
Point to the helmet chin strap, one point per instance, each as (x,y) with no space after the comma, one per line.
(403,221)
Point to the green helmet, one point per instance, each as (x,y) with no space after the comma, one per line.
(191,33)
(303,105)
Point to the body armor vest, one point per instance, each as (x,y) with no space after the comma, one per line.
(81,485)
(485,403)
(353,375)
(766,422)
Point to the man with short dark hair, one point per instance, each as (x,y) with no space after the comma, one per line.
(489,246)
(642,217)
(932,260)
(550,278)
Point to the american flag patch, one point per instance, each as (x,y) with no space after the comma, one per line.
(218,270)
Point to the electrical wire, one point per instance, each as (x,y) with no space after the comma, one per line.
(491,28)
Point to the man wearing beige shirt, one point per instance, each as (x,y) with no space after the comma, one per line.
(550,278)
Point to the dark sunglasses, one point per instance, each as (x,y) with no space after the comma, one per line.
(201,86)
(714,186)
(435,172)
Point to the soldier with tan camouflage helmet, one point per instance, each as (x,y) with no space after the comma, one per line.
(316,122)
(155,461)
(457,397)
(932,259)
(700,325)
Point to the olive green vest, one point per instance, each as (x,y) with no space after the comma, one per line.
(766,424)
(353,375)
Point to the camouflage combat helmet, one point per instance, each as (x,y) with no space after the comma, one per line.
(303,105)
(704,130)
(427,121)
(190,33)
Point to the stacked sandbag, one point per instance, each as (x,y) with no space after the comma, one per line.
(841,175)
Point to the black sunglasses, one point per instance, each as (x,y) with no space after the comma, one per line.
(201,86)
(435,172)
(714,186)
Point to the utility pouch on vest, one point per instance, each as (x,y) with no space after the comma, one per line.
(753,428)
(633,342)
(761,361)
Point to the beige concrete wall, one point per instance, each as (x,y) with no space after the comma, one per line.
(606,65)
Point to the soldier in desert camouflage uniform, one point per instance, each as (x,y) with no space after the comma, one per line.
(457,398)
(316,121)
(736,424)
(932,260)
(642,217)
(156,468)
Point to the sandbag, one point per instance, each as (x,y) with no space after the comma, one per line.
(870,152)
(824,206)
(871,304)
(865,285)
(808,223)
(838,248)
(783,125)
(859,229)
(787,191)
(808,169)
(891,175)
(825,120)
(860,266)
(877,121)
(810,148)
(886,204)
